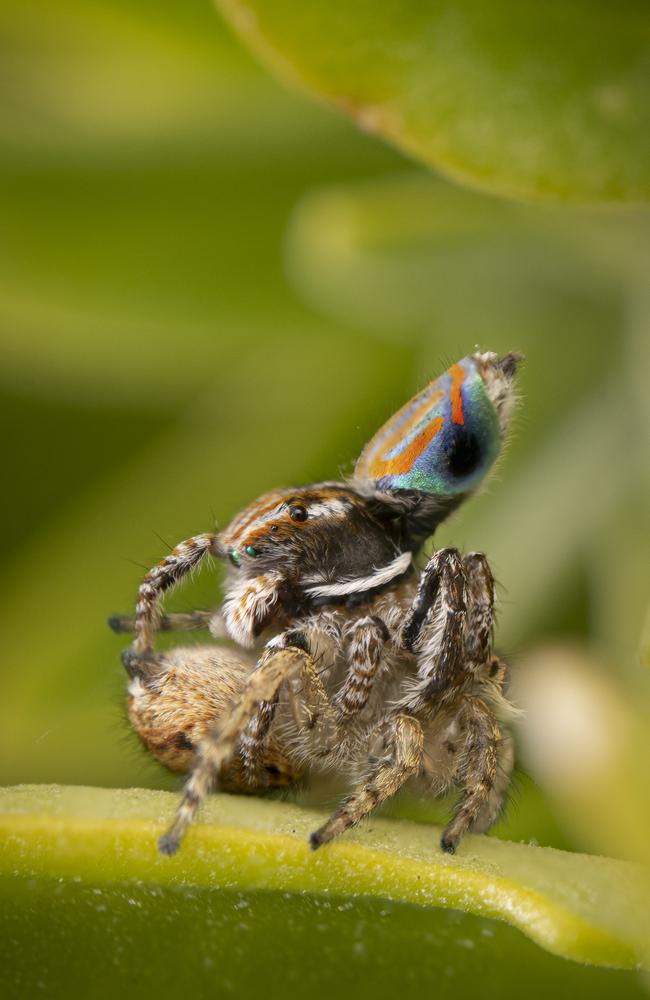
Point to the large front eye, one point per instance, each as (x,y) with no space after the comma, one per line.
(297,512)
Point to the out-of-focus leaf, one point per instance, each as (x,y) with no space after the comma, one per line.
(528,100)
(585,908)
(399,254)
(595,766)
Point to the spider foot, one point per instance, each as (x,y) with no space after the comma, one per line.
(316,839)
(138,664)
(448,843)
(168,844)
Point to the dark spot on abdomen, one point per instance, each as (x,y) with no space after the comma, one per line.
(463,454)
(182,742)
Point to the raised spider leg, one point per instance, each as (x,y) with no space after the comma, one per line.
(366,641)
(402,758)
(160,578)
(485,765)
(480,610)
(279,663)
(181,621)
(435,629)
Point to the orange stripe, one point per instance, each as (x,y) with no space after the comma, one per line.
(389,442)
(457,375)
(404,461)
(263,505)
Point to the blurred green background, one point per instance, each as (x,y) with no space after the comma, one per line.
(209,286)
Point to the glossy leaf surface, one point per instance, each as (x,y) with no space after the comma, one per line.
(585,908)
(528,100)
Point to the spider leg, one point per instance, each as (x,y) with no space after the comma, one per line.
(496,672)
(184,694)
(366,642)
(308,701)
(246,724)
(402,758)
(312,711)
(491,673)
(485,765)
(435,629)
(180,561)
(184,621)
(253,737)
(495,800)
(480,609)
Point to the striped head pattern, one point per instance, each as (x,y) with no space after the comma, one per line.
(293,549)
(275,520)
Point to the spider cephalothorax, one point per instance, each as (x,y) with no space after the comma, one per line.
(330,570)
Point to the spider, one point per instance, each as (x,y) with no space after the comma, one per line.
(363,663)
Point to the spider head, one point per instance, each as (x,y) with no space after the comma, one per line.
(322,532)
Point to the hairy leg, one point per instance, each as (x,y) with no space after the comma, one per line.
(308,701)
(312,709)
(435,628)
(496,672)
(401,759)
(180,561)
(485,758)
(176,704)
(480,609)
(183,621)
(366,641)
(250,717)
(496,798)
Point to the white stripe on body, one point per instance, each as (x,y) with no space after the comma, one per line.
(380,577)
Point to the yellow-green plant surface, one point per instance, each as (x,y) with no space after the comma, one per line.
(75,860)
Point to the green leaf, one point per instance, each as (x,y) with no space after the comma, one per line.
(527,100)
(586,908)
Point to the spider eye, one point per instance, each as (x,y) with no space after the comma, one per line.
(250,550)
(297,512)
(234,557)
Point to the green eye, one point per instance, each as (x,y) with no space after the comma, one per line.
(250,550)
(234,557)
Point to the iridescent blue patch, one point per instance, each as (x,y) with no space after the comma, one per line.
(443,441)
